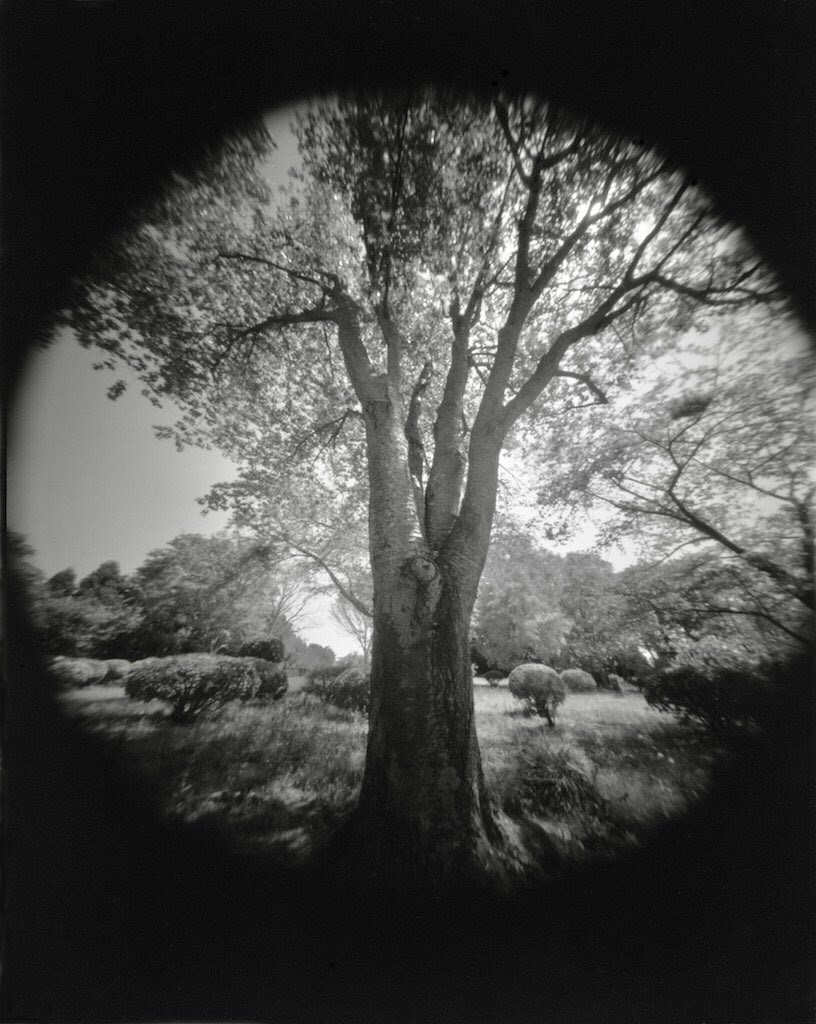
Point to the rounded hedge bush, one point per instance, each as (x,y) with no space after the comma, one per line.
(273,676)
(540,688)
(340,685)
(193,683)
(118,668)
(270,649)
(80,672)
(494,676)
(578,681)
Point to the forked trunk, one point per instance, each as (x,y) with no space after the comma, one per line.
(424,815)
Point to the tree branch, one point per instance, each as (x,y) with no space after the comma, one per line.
(416,449)
(587,381)
(296,274)
(319,560)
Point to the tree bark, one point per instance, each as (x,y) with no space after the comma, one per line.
(424,814)
(424,817)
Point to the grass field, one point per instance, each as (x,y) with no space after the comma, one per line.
(277,779)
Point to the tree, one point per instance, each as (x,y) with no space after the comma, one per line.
(63,583)
(517,617)
(709,600)
(391,320)
(600,638)
(356,624)
(105,584)
(201,594)
(713,453)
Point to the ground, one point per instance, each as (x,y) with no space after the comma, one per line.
(277,779)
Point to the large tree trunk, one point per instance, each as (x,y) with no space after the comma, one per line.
(424,816)
(424,811)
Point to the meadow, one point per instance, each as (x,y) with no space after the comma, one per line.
(276,779)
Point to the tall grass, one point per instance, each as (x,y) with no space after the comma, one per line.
(278,778)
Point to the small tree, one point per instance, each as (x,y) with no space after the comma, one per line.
(540,688)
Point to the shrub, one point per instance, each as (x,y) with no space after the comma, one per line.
(118,668)
(273,677)
(320,678)
(724,700)
(553,781)
(192,683)
(614,683)
(494,676)
(578,681)
(271,649)
(79,671)
(540,688)
(341,686)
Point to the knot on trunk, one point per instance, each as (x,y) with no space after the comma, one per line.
(423,569)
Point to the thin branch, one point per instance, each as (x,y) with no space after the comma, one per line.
(319,560)
(416,449)
(296,274)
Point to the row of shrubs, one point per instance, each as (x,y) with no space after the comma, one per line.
(723,700)
(576,680)
(192,683)
(187,683)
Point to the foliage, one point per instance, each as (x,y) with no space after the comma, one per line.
(540,688)
(303,657)
(709,605)
(96,619)
(517,616)
(80,671)
(554,781)
(340,685)
(613,683)
(711,451)
(209,593)
(269,649)
(724,699)
(105,584)
(433,219)
(578,681)
(274,679)
(193,683)
(117,668)
(494,676)
(62,584)
(600,637)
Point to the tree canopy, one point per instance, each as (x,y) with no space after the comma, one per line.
(712,452)
(196,594)
(483,253)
